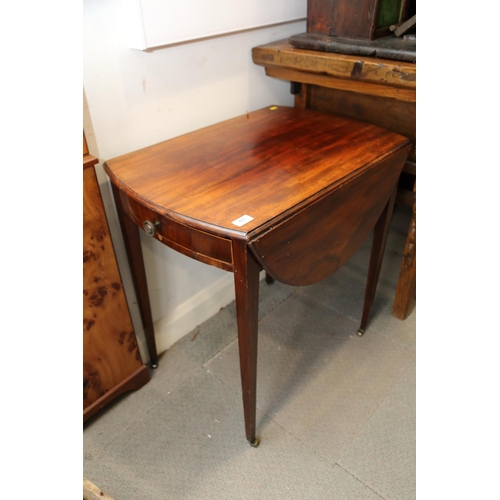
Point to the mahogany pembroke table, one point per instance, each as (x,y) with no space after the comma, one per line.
(291,191)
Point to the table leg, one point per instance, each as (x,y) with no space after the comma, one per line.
(269,279)
(133,247)
(380,234)
(246,283)
(404,298)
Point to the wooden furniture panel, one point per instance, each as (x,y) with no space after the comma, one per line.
(360,87)
(111,359)
(199,245)
(225,147)
(369,89)
(92,492)
(290,189)
(364,19)
(281,54)
(344,18)
(362,27)
(385,112)
(404,299)
(344,227)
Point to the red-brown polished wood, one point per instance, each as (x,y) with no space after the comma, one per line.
(263,164)
(324,235)
(369,89)
(313,186)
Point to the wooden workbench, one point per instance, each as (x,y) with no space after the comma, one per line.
(379,91)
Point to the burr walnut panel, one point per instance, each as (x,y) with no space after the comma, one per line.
(112,362)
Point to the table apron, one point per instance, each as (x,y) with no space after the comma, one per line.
(200,245)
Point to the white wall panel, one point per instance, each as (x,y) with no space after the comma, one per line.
(154,23)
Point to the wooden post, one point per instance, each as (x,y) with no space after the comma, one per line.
(246,282)
(133,247)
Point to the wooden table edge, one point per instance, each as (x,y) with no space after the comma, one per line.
(256,232)
(366,69)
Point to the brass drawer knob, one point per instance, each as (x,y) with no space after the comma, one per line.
(151,227)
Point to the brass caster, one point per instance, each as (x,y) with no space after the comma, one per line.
(154,366)
(255,442)
(360,332)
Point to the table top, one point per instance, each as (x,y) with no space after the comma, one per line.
(243,174)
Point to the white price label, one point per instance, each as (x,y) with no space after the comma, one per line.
(241,221)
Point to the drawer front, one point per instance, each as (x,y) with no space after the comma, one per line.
(194,243)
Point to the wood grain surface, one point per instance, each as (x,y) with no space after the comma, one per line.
(213,250)
(319,239)
(358,87)
(342,17)
(92,492)
(405,297)
(391,114)
(110,348)
(379,71)
(264,164)
(352,18)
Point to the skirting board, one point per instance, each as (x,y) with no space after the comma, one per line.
(190,314)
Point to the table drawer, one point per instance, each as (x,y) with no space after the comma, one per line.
(194,243)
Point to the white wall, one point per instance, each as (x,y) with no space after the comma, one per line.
(133,99)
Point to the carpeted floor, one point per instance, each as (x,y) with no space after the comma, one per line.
(335,412)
